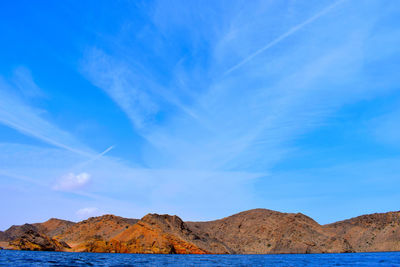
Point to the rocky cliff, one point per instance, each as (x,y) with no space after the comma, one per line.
(262,231)
(49,228)
(102,227)
(17,231)
(367,233)
(155,234)
(258,231)
(35,241)
(53,227)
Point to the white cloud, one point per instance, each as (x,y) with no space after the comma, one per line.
(121,83)
(72,181)
(131,87)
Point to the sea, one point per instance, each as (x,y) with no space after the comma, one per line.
(41,258)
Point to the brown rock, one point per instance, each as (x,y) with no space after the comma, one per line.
(154,233)
(50,228)
(54,227)
(102,227)
(17,231)
(4,236)
(254,231)
(368,233)
(33,240)
(262,231)
(157,234)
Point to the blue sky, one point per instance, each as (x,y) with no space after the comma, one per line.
(198,108)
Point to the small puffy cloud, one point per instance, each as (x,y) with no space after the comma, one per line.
(88,212)
(72,181)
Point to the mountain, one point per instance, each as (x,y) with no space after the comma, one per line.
(262,231)
(169,232)
(103,227)
(17,231)
(367,233)
(258,231)
(35,241)
(37,236)
(50,228)
(4,237)
(155,234)
(53,226)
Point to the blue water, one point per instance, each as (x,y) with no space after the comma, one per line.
(39,258)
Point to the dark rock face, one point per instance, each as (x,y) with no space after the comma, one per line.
(49,228)
(17,231)
(4,237)
(54,227)
(33,240)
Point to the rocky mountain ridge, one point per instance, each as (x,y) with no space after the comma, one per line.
(257,231)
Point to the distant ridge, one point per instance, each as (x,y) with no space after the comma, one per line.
(257,231)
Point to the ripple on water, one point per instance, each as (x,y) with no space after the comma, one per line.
(38,258)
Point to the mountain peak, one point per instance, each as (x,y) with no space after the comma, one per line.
(253,231)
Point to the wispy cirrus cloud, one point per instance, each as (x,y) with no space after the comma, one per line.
(23,80)
(15,113)
(122,84)
(131,87)
(264,106)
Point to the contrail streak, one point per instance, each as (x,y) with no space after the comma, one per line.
(284,36)
(40,136)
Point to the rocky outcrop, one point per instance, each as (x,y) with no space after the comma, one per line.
(17,231)
(49,228)
(155,234)
(258,231)
(33,240)
(101,227)
(176,231)
(262,231)
(368,233)
(53,227)
(4,236)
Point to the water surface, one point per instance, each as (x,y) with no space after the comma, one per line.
(41,258)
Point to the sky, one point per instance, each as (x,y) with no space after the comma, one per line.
(198,108)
